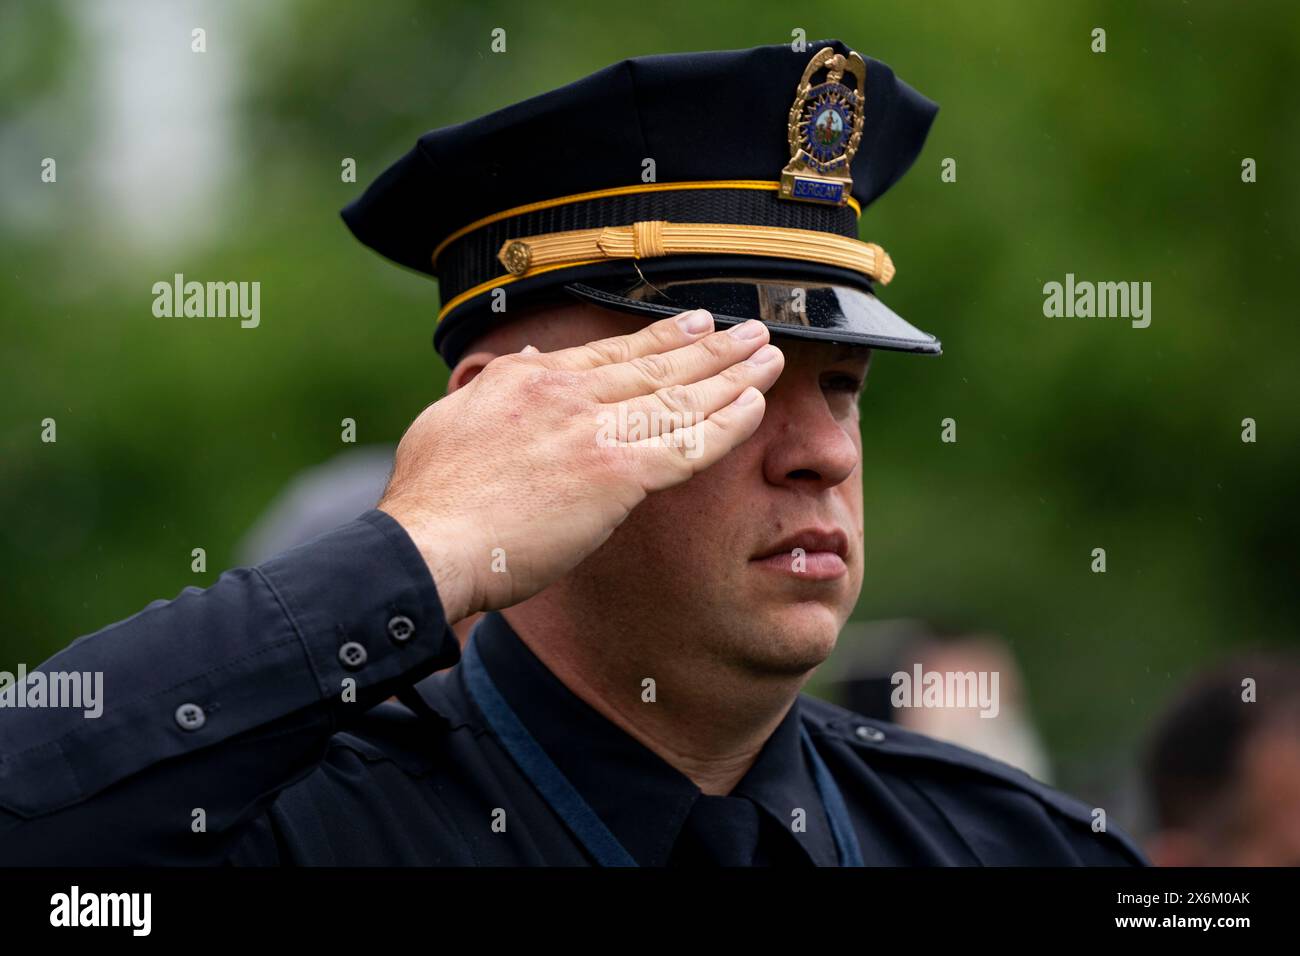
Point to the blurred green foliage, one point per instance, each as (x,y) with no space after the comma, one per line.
(1072,433)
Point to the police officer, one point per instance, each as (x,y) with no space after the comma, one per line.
(642,491)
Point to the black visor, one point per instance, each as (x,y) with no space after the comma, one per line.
(828,311)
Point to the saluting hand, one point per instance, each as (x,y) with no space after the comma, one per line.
(543,454)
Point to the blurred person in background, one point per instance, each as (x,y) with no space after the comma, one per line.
(872,654)
(1222,768)
(316,500)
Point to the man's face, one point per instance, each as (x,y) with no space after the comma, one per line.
(711,565)
(719,552)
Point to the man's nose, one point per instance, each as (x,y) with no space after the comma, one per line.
(807,447)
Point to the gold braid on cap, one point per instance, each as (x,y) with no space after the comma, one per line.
(524,258)
(648,240)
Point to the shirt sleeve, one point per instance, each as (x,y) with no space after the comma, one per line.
(214,702)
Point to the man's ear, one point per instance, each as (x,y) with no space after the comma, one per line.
(467,368)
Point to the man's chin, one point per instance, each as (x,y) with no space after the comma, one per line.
(793,637)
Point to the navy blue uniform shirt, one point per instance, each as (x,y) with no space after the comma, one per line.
(250,723)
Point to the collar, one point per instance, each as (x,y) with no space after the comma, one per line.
(643,799)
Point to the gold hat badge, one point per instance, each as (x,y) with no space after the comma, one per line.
(825,129)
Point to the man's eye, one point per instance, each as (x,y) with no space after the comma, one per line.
(842,383)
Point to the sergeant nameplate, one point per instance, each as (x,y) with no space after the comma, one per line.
(817,190)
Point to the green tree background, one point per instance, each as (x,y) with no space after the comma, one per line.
(1072,433)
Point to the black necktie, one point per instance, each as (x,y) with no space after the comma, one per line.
(720,831)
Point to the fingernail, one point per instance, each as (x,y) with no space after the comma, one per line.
(747,396)
(747,330)
(527,350)
(763,355)
(695,322)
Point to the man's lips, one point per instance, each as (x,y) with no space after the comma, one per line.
(817,554)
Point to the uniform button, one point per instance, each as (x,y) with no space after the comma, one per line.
(870,734)
(352,654)
(190,717)
(401,629)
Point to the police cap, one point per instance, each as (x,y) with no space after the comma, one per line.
(731,181)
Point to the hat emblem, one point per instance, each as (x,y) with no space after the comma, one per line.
(825,127)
